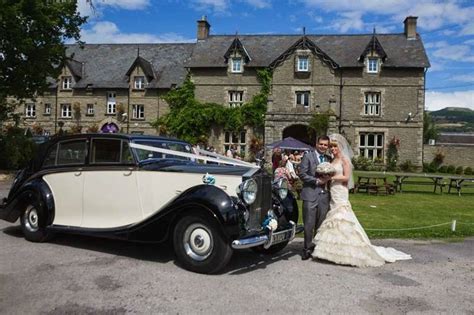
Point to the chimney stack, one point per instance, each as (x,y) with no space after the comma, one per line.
(410,27)
(203,28)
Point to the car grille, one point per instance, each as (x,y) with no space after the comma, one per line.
(263,202)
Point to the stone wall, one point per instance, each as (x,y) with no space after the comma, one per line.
(457,155)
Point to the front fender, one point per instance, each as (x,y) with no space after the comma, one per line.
(206,199)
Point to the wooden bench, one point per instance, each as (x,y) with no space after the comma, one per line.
(373,184)
(414,179)
(459,182)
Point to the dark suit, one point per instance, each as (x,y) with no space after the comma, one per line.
(315,197)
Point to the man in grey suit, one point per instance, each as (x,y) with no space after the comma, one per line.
(314,194)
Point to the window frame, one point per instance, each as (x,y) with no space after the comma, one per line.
(233,64)
(299,64)
(372,103)
(63,107)
(233,96)
(303,93)
(111,108)
(139,82)
(372,151)
(30,110)
(137,111)
(67,83)
(232,138)
(372,65)
(90,110)
(47,109)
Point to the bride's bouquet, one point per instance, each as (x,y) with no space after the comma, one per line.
(325,168)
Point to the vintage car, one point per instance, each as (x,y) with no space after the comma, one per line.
(152,189)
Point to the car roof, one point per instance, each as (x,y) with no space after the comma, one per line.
(131,137)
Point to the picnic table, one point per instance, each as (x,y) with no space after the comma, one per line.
(373,184)
(458,182)
(416,179)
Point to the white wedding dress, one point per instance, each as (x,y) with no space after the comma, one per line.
(342,240)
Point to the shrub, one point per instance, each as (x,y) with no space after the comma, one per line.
(451,169)
(443,169)
(362,163)
(16,149)
(392,154)
(407,166)
(438,158)
(429,168)
(468,171)
(459,170)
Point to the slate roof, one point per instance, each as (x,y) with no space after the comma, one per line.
(106,65)
(345,50)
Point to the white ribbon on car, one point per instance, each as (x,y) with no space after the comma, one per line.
(206,157)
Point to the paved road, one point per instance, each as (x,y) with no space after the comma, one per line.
(82,275)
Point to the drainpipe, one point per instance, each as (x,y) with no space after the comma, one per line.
(340,103)
(56,111)
(128,110)
(423,118)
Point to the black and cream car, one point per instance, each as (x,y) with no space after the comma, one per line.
(152,189)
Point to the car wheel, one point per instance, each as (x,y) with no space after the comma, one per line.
(32,223)
(199,246)
(271,250)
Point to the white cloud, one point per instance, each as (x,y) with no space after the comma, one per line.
(468,29)
(219,6)
(463,78)
(124,4)
(439,100)
(454,52)
(259,4)
(108,32)
(348,21)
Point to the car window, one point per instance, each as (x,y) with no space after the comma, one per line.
(170,145)
(67,152)
(110,151)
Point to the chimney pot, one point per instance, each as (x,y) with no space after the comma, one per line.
(410,27)
(203,28)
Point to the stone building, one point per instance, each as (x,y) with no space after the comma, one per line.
(373,85)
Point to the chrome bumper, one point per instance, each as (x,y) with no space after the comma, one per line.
(266,240)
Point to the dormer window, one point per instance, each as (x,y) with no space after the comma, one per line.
(67,83)
(139,83)
(372,65)
(236,65)
(302,64)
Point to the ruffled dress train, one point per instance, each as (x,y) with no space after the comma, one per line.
(342,240)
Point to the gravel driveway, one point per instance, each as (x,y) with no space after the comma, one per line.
(83,275)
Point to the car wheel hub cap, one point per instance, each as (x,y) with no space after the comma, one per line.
(198,242)
(31,221)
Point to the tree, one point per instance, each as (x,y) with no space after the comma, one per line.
(429,128)
(32,50)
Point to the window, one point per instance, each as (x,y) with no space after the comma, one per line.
(66,111)
(371,145)
(138,111)
(110,151)
(30,110)
(111,104)
(139,83)
(67,83)
(302,98)
(235,140)
(47,109)
(90,110)
(303,64)
(64,153)
(372,65)
(372,104)
(236,98)
(236,64)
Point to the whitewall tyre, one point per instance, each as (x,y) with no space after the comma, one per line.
(32,223)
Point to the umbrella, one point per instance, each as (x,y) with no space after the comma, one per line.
(291,144)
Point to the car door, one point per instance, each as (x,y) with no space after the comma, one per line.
(110,186)
(64,165)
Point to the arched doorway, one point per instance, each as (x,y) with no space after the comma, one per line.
(300,132)
(109,128)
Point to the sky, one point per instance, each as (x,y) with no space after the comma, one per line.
(446,27)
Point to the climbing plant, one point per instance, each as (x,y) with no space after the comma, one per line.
(319,122)
(191,120)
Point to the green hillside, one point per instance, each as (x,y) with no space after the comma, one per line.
(454,119)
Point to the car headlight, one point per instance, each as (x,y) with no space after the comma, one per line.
(282,187)
(248,191)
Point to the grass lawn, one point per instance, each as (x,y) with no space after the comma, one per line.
(410,210)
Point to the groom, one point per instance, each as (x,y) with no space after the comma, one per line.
(314,194)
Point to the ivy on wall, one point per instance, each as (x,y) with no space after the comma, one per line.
(192,120)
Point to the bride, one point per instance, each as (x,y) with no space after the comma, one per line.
(341,239)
